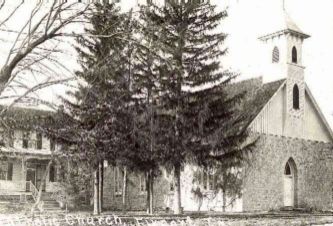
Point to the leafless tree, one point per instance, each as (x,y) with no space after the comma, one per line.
(34,38)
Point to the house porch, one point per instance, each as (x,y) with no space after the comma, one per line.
(22,175)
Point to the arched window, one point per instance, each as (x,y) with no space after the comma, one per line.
(294,55)
(276,55)
(287,170)
(295,97)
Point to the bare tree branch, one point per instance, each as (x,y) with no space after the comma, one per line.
(33,89)
(31,37)
(11,14)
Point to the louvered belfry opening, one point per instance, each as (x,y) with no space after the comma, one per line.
(276,55)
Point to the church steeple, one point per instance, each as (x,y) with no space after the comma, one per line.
(283,44)
(285,37)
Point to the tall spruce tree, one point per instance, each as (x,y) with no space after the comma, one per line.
(196,116)
(96,123)
(146,87)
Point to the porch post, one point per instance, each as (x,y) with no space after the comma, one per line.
(24,171)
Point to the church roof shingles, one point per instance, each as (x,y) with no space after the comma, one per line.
(256,96)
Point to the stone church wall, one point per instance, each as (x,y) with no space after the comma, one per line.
(136,199)
(163,196)
(263,185)
(263,178)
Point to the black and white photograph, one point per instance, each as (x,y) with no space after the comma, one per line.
(166,112)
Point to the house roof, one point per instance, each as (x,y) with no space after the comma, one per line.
(23,118)
(256,96)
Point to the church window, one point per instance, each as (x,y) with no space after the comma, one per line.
(143,182)
(287,170)
(207,179)
(295,97)
(117,180)
(276,55)
(294,55)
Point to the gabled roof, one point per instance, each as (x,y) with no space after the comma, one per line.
(322,117)
(257,95)
(283,24)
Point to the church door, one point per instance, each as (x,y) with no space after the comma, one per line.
(289,184)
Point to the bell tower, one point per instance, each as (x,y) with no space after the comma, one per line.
(283,46)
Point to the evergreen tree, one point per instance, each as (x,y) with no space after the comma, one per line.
(96,123)
(145,85)
(196,115)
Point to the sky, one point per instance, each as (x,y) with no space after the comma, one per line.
(249,19)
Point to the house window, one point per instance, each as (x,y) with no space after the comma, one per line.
(276,55)
(39,141)
(143,187)
(117,181)
(11,138)
(294,55)
(25,140)
(6,170)
(52,144)
(295,97)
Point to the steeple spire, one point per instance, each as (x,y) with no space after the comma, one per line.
(282,24)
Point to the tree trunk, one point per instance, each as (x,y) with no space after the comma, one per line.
(100,187)
(42,184)
(148,192)
(151,194)
(177,194)
(96,193)
(124,188)
(224,200)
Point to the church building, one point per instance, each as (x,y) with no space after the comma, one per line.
(291,165)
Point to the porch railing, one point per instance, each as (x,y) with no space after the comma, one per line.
(32,188)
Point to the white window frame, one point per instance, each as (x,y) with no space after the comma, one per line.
(4,164)
(207,176)
(142,184)
(117,182)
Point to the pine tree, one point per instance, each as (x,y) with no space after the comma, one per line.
(96,122)
(146,86)
(196,116)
